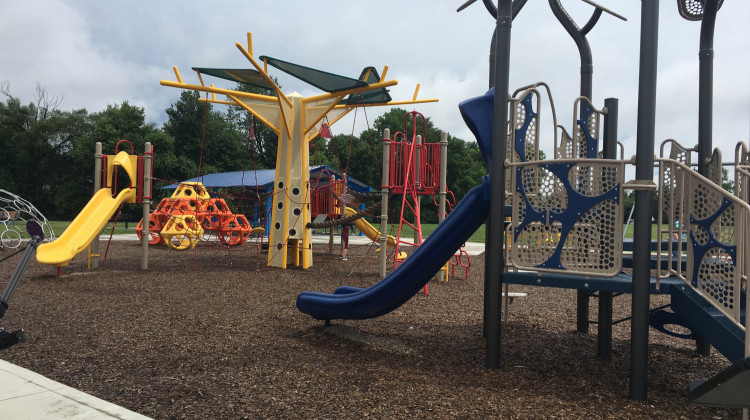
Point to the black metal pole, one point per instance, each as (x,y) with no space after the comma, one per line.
(15,278)
(644,170)
(706,85)
(497,186)
(517,6)
(579,36)
(604,325)
(487,237)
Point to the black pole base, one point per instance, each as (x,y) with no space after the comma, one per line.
(702,346)
(9,339)
(582,311)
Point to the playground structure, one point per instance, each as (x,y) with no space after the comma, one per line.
(181,220)
(566,217)
(14,211)
(108,198)
(296,120)
(640,284)
(414,167)
(338,204)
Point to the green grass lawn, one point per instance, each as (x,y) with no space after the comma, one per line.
(59,227)
(427,229)
(654,228)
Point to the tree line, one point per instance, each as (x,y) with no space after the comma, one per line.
(47,153)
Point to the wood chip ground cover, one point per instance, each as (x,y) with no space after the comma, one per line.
(212,333)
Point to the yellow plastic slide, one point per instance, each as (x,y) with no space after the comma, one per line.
(369,230)
(84,228)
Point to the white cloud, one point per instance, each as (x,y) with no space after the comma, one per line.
(100,53)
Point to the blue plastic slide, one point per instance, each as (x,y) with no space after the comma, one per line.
(398,287)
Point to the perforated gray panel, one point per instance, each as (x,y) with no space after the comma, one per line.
(571,225)
(565,151)
(520,113)
(673,221)
(580,143)
(715,272)
(716,226)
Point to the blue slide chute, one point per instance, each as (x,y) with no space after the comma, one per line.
(477,114)
(398,287)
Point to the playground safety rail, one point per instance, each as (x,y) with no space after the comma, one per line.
(715,226)
(567,218)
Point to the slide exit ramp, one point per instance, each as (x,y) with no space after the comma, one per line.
(401,285)
(92,219)
(369,230)
(84,228)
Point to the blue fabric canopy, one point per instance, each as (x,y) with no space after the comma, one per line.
(262,179)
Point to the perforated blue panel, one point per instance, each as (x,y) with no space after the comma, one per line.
(583,122)
(568,215)
(520,133)
(701,251)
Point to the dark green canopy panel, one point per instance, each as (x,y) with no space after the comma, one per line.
(379,96)
(331,83)
(322,80)
(251,77)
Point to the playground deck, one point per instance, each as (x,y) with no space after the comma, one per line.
(621,283)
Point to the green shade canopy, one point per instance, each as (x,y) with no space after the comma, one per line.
(378,96)
(331,83)
(322,80)
(251,77)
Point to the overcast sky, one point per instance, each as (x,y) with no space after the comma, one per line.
(97,53)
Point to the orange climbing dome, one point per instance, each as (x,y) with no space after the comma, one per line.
(181,220)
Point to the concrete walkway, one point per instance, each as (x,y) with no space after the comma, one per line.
(28,395)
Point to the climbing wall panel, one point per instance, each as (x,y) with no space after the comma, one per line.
(567,216)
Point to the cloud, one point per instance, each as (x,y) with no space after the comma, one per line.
(63,56)
(102,53)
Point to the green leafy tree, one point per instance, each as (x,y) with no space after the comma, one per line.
(184,125)
(726,183)
(37,140)
(205,141)
(118,127)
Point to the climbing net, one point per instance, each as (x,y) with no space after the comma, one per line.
(15,211)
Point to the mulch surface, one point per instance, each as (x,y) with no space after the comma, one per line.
(211,333)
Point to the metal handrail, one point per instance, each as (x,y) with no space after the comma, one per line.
(732,290)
